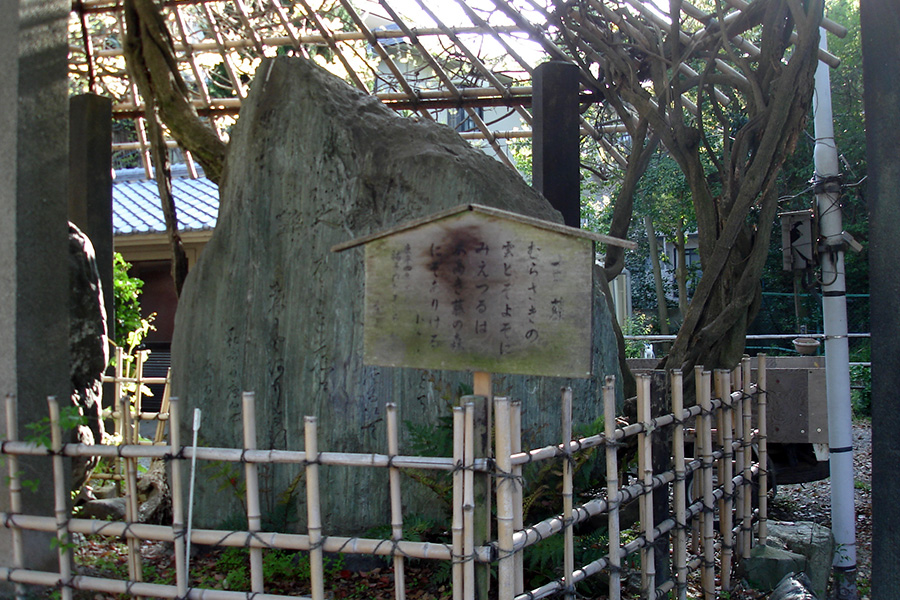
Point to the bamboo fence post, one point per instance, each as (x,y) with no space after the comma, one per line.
(506,484)
(61,508)
(469,503)
(459,419)
(314,517)
(737,384)
(612,487)
(679,490)
(518,514)
(119,421)
(747,451)
(251,483)
(129,437)
(163,409)
(763,449)
(482,390)
(697,482)
(481,481)
(396,500)
(645,468)
(723,383)
(15,488)
(567,493)
(178,531)
(139,393)
(709,506)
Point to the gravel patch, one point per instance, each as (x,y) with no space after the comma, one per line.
(812,502)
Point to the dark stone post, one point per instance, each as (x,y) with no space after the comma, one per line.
(880,22)
(90,184)
(34,274)
(555,145)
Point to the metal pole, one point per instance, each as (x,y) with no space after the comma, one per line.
(837,353)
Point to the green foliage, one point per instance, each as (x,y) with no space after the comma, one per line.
(861,394)
(70,418)
(126,293)
(278,566)
(637,324)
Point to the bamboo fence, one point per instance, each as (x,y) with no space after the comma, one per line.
(719,474)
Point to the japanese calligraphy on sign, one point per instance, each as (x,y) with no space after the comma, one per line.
(477,291)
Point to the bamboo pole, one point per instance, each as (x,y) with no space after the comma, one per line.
(708,535)
(506,488)
(519,514)
(60,493)
(469,503)
(459,418)
(118,421)
(723,384)
(129,437)
(481,488)
(740,492)
(679,490)
(763,448)
(612,488)
(393,443)
(242,539)
(160,435)
(314,518)
(178,531)
(746,450)
(251,483)
(567,493)
(15,488)
(140,359)
(645,470)
(115,586)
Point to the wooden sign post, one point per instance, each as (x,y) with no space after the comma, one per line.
(482,290)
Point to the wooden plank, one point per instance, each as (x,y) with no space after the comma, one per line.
(488,210)
(480,292)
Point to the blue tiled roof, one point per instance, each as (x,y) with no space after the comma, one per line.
(136,207)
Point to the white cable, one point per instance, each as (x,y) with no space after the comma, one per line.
(196,427)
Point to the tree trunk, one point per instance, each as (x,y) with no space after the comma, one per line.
(661,306)
(681,267)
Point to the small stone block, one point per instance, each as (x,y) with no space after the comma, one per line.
(768,566)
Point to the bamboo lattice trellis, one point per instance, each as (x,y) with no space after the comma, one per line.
(220,42)
(721,475)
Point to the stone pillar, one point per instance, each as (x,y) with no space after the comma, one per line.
(34,273)
(556,152)
(90,184)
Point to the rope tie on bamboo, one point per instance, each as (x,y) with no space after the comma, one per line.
(128,532)
(179,455)
(130,584)
(506,476)
(254,535)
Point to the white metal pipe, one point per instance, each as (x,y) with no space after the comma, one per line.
(837,352)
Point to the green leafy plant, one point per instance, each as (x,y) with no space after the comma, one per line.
(126,293)
(861,394)
(637,324)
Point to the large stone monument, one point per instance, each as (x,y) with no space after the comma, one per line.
(269,308)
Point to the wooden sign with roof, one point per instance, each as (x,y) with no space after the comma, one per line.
(480,289)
